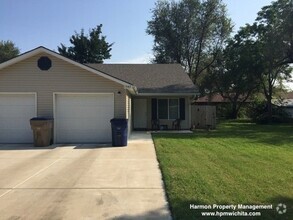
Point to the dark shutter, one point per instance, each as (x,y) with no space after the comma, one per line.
(154,109)
(182,108)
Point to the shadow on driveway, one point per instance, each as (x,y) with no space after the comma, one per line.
(51,147)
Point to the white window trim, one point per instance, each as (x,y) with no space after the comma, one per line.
(168,112)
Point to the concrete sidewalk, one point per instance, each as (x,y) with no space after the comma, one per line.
(82,182)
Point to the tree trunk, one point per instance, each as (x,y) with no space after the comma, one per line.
(269,102)
(270,109)
(234,110)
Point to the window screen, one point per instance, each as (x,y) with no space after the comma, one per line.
(163,108)
(173,108)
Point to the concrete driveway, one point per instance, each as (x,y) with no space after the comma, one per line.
(82,182)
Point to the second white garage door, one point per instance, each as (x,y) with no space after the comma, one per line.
(83,118)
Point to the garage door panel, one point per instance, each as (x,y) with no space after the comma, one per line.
(18,111)
(13,123)
(83,118)
(15,112)
(74,111)
(70,124)
(19,134)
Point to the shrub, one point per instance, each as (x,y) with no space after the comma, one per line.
(258,113)
(225,111)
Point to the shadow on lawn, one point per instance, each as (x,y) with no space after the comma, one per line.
(253,133)
(182,210)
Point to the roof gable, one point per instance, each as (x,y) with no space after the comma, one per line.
(145,78)
(39,50)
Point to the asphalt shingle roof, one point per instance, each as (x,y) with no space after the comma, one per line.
(151,78)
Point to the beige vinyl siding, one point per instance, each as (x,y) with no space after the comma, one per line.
(25,76)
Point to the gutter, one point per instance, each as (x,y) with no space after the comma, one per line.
(132,89)
(167,94)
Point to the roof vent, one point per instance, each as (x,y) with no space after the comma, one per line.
(44,63)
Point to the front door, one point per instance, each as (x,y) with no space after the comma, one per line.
(140,113)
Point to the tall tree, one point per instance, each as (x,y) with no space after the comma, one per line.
(189,32)
(8,50)
(87,49)
(273,30)
(236,73)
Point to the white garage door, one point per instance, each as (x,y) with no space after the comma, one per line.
(83,118)
(16,110)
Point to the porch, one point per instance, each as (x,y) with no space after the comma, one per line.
(161,113)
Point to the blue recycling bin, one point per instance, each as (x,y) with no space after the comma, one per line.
(119,131)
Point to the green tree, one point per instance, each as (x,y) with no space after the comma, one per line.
(235,74)
(189,32)
(274,25)
(273,30)
(87,49)
(8,50)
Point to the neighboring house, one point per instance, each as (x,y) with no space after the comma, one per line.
(83,99)
(222,104)
(213,99)
(286,102)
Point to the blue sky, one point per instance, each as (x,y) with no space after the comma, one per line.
(32,23)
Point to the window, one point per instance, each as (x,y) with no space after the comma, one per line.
(163,108)
(44,63)
(173,108)
(168,108)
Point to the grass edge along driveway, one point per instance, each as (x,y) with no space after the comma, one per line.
(239,163)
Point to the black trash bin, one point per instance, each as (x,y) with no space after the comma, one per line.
(43,131)
(119,131)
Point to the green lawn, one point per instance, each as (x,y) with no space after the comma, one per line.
(239,163)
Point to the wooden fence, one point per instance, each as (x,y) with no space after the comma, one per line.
(203,116)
